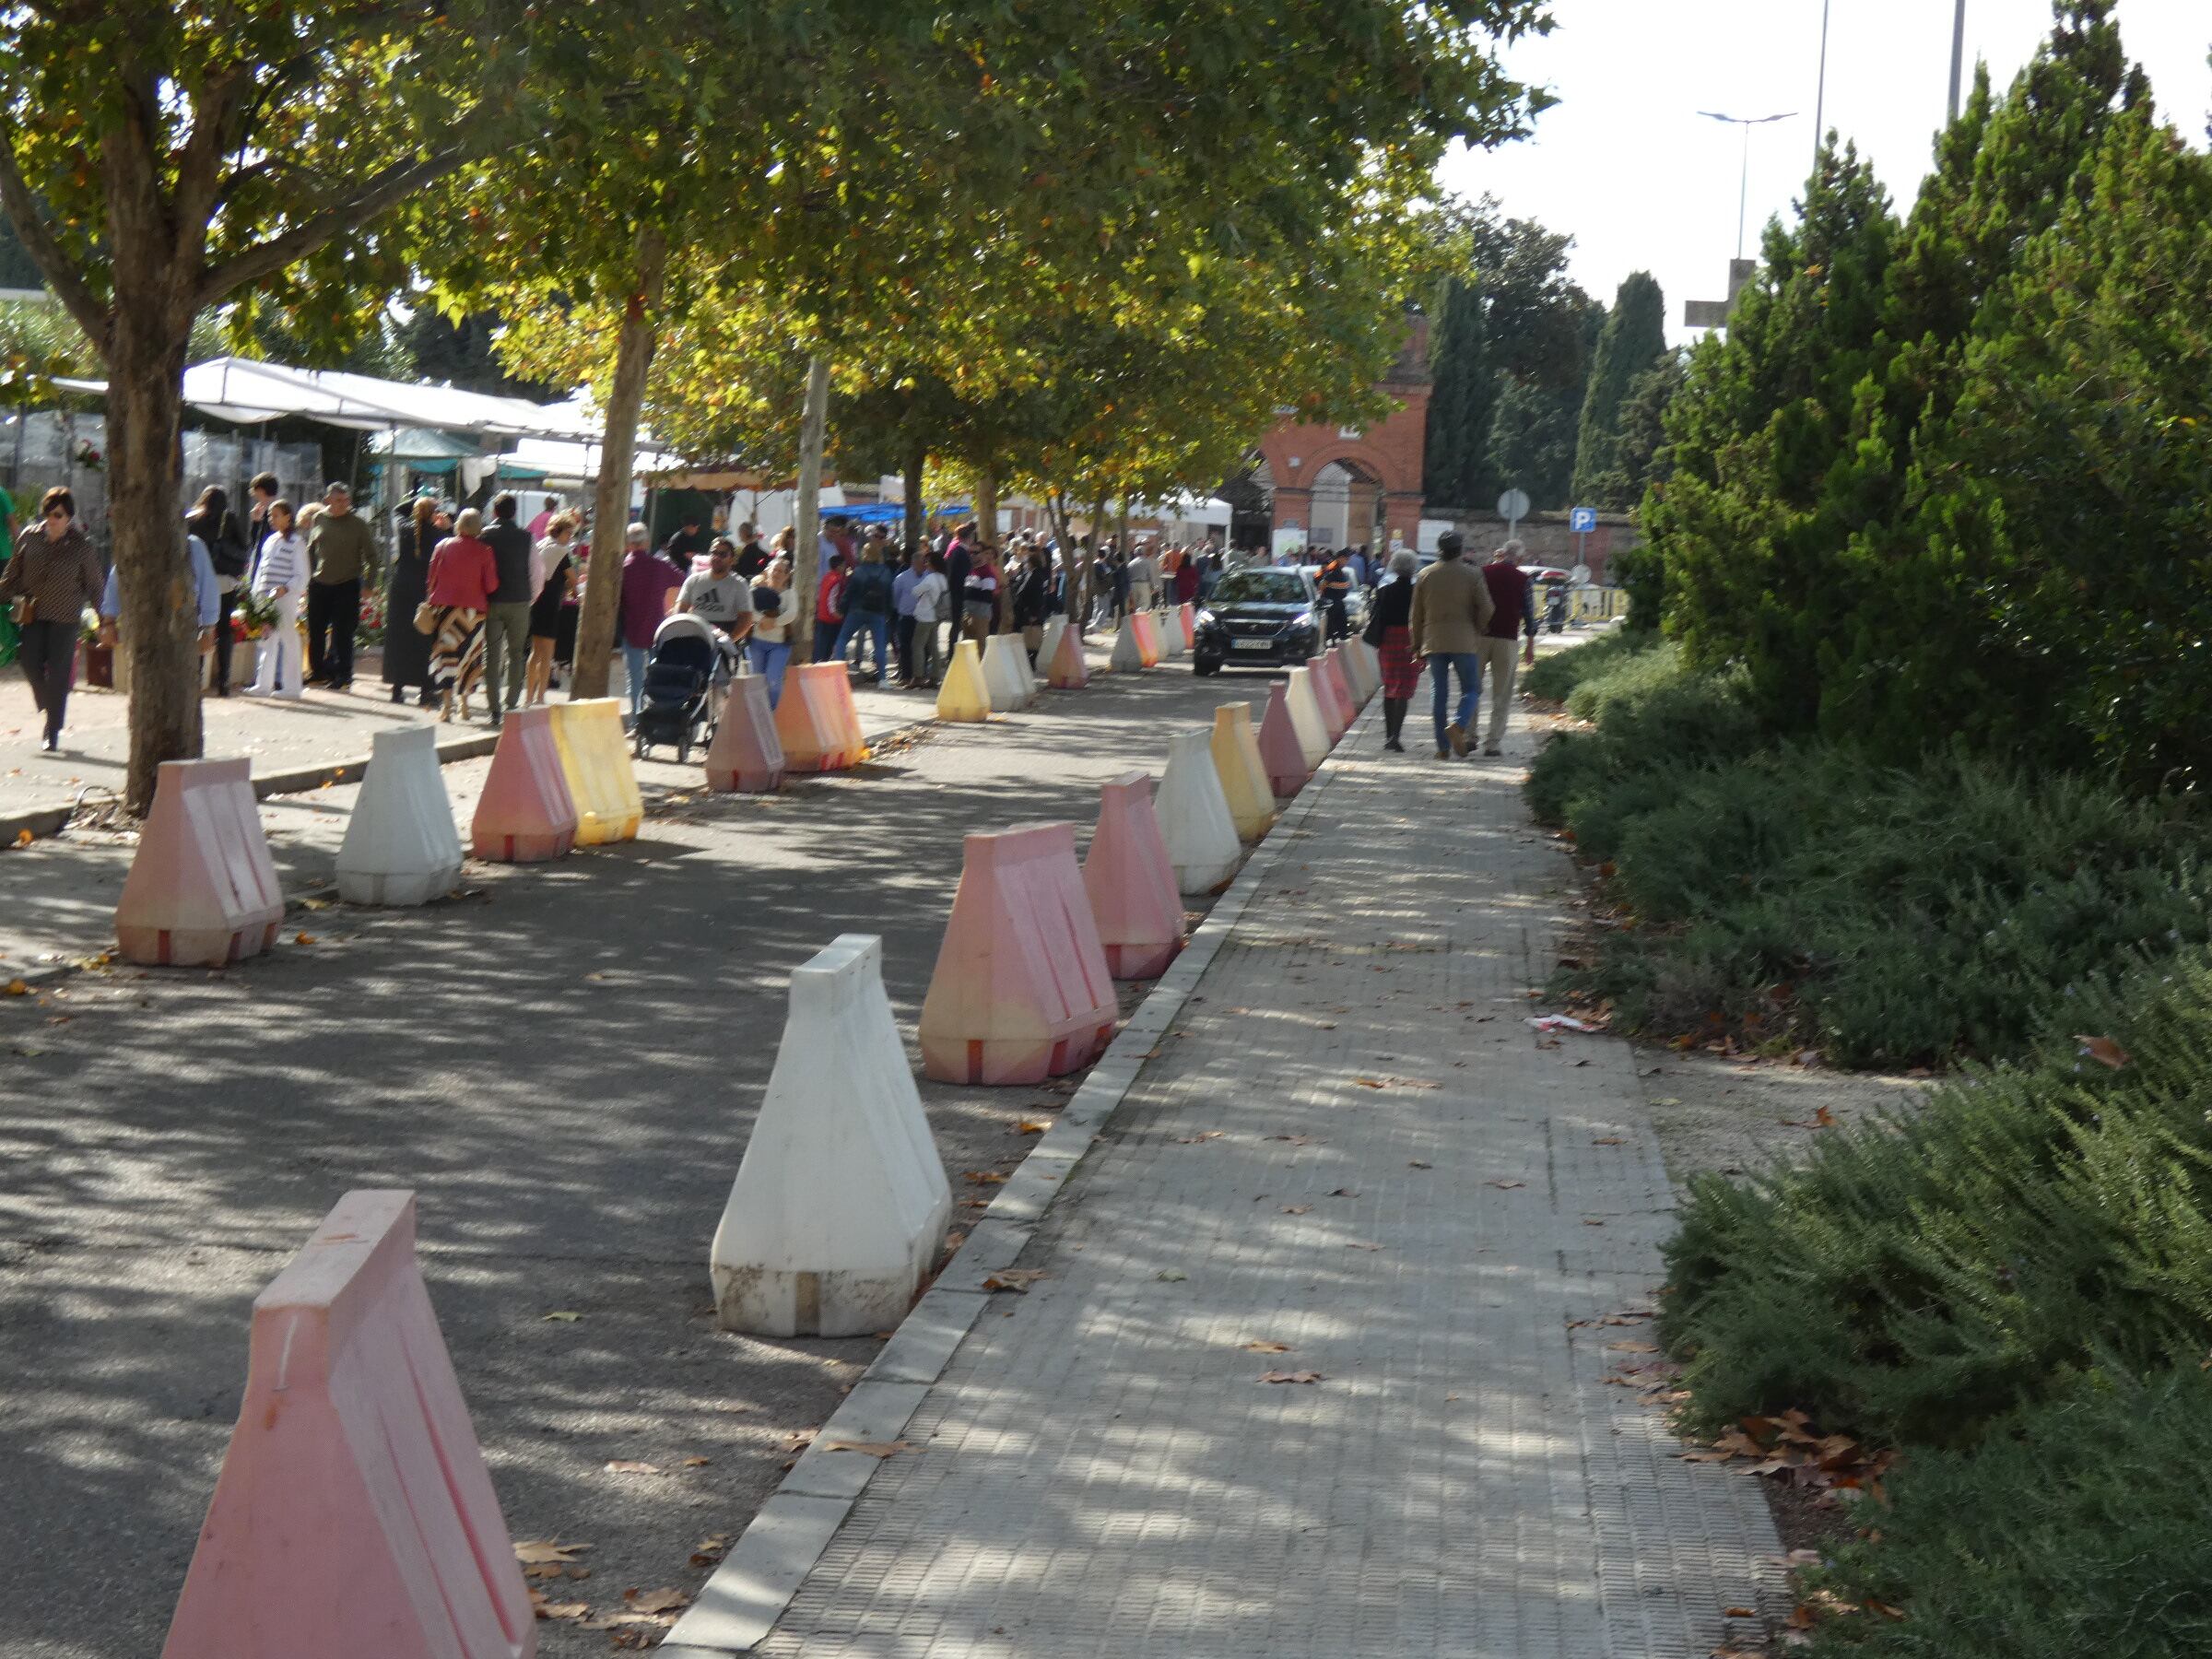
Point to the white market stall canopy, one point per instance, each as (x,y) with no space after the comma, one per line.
(558,439)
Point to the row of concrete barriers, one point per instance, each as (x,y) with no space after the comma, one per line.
(355,1517)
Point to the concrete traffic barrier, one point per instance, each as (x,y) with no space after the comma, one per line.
(836,692)
(1131,882)
(1335,710)
(526,814)
(817,722)
(1194,815)
(1021,990)
(1313,739)
(1360,661)
(595,758)
(1280,751)
(1129,653)
(354,1517)
(401,846)
(746,756)
(1040,671)
(1067,670)
(1002,674)
(1170,635)
(839,1209)
(202,889)
(1236,751)
(1031,686)
(1147,638)
(964,694)
(1340,676)
(1187,619)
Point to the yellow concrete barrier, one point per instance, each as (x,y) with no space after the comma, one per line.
(963,695)
(595,757)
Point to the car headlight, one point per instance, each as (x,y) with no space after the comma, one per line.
(1302,623)
(1204,619)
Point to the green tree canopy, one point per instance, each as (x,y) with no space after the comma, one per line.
(1632,342)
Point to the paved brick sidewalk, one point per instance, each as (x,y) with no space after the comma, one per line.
(1102,1472)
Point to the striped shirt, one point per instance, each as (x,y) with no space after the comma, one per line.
(281,563)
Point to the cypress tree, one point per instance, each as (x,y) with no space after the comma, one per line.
(1459,400)
(1634,337)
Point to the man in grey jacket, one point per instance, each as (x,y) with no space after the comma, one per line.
(1451,606)
(507,617)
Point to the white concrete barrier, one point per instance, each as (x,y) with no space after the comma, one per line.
(1128,655)
(1005,673)
(1194,814)
(1047,648)
(1306,720)
(401,844)
(839,1209)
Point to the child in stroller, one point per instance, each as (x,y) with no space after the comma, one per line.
(685,679)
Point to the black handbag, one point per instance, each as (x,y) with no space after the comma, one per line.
(1374,630)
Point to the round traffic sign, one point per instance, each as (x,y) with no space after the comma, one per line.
(1513,504)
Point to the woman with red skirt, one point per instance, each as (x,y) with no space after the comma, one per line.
(1387,627)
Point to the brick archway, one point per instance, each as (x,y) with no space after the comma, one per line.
(1389,451)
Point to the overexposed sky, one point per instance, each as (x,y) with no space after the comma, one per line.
(1624,163)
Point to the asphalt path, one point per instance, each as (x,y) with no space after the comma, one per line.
(563,1066)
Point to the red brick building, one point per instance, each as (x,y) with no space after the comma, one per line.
(1341,485)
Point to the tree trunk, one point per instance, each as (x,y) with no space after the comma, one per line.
(1120,539)
(916,518)
(813,428)
(987,502)
(149,335)
(618,466)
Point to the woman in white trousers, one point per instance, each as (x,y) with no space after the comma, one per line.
(280,574)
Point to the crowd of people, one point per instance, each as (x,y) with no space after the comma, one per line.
(473,604)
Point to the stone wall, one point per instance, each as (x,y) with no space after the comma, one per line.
(1547,536)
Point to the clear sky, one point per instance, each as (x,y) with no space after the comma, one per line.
(1625,165)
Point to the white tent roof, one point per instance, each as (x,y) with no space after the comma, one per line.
(241,390)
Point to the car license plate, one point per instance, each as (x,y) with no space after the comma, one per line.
(1254,644)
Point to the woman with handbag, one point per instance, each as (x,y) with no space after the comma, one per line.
(407,647)
(280,571)
(54,574)
(463,570)
(1389,630)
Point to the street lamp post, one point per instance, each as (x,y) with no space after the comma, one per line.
(1821,91)
(1957,54)
(1743,198)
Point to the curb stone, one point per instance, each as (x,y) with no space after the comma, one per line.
(741,1602)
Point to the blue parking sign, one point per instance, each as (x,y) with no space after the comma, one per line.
(1581,521)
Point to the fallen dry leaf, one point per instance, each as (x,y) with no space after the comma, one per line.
(1203,1135)
(1737,1613)
(1342,1193)
(631,1466)
(984,1178)
(562,1317)
(527,1550)
(1631,1347)
(1017,1279)
(1359,1245)
(696,1463)
(1416,1163)
(303,938)
(1031,1126)
(1290,1376)
(1505,1185)
(1269,1348)
(1173,1275)
(17,988)
(1608,1140)
(1296,1210)
(1397,1083)
(553,1609)
(873,1448)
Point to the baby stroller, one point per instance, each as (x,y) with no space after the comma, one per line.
(687,665)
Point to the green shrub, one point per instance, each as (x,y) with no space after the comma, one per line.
(1920,1277)
(1553,677)
(2075,1528)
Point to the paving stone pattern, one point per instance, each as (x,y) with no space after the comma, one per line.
(1102,1470)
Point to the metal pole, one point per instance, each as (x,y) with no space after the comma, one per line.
(1957,55)
(1743,195)
(1820,95)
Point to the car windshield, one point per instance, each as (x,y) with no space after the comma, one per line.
(1260,587)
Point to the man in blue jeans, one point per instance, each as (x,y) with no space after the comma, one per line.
(1451,608)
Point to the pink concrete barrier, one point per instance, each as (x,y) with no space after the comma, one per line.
(1280,751)
(1340,683)
(1147,638)
(816,722)
(202,889)
(747,757)
(1185,619)
(354,1518)
(1131,881)
(1021,990)
(1068,671)
(526,814)
(1335,714)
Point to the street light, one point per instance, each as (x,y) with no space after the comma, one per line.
(1957,54)
(1743,200)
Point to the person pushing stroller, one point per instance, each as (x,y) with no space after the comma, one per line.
(719,597)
